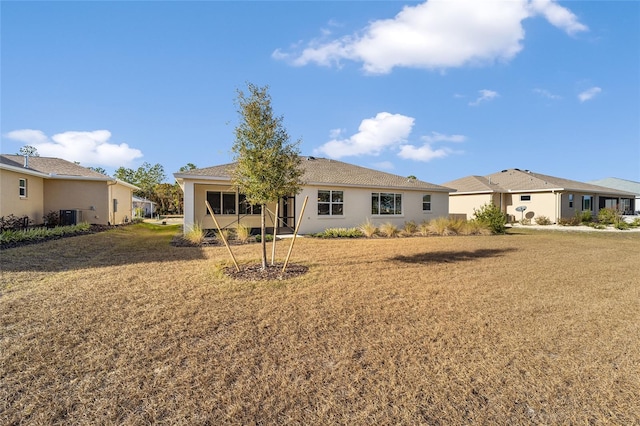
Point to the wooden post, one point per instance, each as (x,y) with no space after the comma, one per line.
(224,240)
(275,233)
(295,233)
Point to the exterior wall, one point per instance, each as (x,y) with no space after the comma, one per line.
(60,194)
(464,204)
(123,211)
(12,203)
(540,204)
(357,208)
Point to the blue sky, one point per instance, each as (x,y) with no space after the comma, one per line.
(436,89)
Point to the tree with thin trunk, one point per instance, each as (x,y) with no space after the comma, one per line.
(268,165)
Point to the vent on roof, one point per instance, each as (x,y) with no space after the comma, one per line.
(311,158)
(504,171)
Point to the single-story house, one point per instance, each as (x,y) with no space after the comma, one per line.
(622,185)
(35,186)
(143,207)
(523,194)
(340,195)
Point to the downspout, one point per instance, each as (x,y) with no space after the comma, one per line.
(112,214)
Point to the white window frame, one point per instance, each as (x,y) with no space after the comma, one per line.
(426,203)
(377,208)
(335,202)
(22,187)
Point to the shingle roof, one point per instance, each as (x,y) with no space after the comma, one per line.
(516,180)
(51,166)
(322,171)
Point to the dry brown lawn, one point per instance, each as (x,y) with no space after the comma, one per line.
(537,327)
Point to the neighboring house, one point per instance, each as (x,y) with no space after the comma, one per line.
(35,186)
(539,195)
(143,207)
(340,195)
(622,185)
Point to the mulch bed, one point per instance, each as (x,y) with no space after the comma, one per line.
(256,273)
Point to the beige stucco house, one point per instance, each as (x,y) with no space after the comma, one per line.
(35,186)
(340,195)
(523,194)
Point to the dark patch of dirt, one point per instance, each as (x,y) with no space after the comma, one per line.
(94,229)
(256,273)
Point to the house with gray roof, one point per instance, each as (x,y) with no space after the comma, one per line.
(340,195)
(35,186)
(622,185)
(523,194)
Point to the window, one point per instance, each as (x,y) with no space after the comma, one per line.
(587,202)
(330,203)
(246,208)
(222,202)
(571,200)
(22,188)
(426,203)
(115,205)
(525,198)
(384,203)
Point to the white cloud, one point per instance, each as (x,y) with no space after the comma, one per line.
(374,135)
(485,95)
(546,94)
(558,16)
(88,148)
(436,34)
(27,136)
(589,94)
(423,153)
(427,152)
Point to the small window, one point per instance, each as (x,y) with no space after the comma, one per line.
(330,203)
(587,203)
(22,188)
(115,205)
(426,203)
(384,203)
(525,198)
(571,200)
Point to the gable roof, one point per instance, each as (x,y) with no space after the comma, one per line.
(54,168)
(619,184)
(516,180)
(322,171)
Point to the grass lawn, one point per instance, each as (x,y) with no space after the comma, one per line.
(535,327)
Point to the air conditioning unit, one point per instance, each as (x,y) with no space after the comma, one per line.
(70,217)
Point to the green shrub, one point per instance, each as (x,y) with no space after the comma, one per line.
(51,219)
(41,233)
(635,223)
(543,220)
(13,222)
(622,225)
(267,238)
(340,233)
(585,216)
(491,216)
(609,216)
(569,221)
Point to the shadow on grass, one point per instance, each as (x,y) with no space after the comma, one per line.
(451,256)
(128,245)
